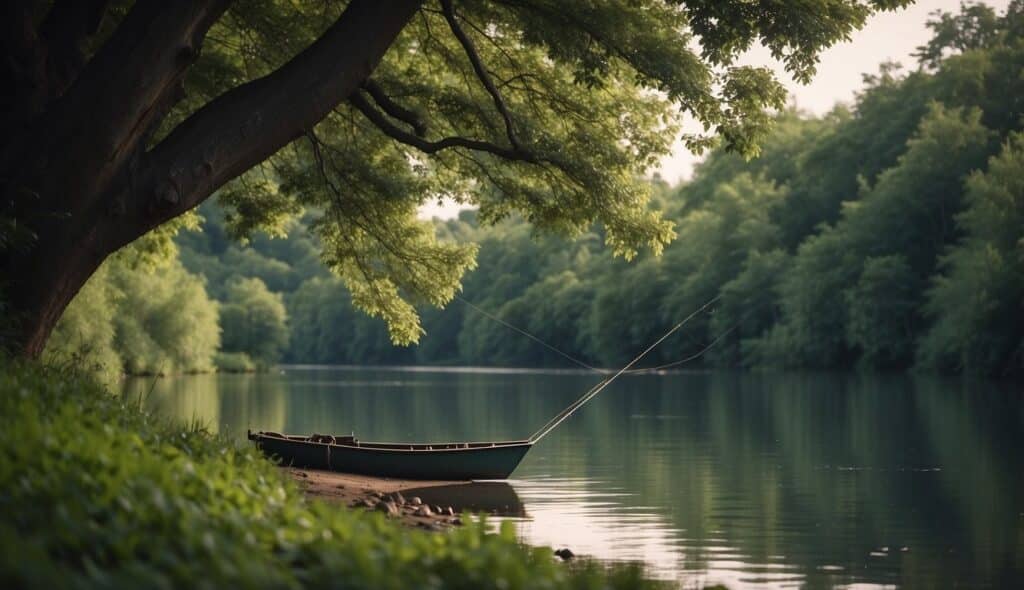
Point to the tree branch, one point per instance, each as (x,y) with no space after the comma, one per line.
(247,124)
(22,59)
(394,109)
(100,121)
(430,147)
(66,27)
(481,73)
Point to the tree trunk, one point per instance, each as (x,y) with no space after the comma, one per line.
(45,283)
(76,181)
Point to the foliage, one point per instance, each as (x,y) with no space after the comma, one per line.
(254,320)
(534,110)
(141,313)
(908,212)
(748,308)
(977,302)
(85,333)
(881,311)
(976,26)
(820,250)
(99,494)
(234,362)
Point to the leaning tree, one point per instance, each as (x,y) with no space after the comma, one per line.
(119,117)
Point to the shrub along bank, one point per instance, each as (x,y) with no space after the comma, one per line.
(96,492)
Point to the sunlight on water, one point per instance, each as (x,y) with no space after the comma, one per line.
(750,480)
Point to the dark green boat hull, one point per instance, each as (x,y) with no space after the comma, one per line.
(454,462)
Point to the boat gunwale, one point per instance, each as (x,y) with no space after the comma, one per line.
(395,447)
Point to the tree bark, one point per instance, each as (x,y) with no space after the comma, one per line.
(77,177)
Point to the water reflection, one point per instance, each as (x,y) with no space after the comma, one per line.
(755,480)
(487,497)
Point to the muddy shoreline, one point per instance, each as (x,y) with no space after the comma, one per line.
(408,501)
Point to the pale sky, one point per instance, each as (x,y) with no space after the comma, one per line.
(886,37)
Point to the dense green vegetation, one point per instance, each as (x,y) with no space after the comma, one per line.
(887,234)
(362,111)
(141,313)
(99,494)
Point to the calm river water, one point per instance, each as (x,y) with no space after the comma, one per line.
(755,480)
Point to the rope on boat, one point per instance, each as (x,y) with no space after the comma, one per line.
(568,411)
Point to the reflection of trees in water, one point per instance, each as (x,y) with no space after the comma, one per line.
(976,439)
(819,469)
(259,402)
(225,403)
(193,397)
(388,405)
(824,469)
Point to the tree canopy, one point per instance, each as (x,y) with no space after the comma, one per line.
(362,111)
(881,234)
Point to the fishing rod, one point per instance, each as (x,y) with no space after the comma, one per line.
(627,369)
(571,409)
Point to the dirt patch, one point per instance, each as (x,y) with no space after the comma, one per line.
(395,497)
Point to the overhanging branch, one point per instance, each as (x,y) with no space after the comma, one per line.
(481,73)
(249,123)
(394,109)
(430,147)
(66,27)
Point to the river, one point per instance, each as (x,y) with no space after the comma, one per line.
(754,480)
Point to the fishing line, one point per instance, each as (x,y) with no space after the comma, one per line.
(564,414)
(601,385)
(532,337)
(594,369)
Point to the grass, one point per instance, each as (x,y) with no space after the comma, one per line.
(95,492)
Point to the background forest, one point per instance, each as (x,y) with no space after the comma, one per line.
(887,234)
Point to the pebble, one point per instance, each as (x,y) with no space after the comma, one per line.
(415,501)
(424,511)
(449,511)
(389,508)
(368,503)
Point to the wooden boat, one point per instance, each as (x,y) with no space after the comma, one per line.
(440,461)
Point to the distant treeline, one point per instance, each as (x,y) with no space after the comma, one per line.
(888,234)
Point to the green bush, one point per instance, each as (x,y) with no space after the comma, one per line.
(95,492)
(141,315)
(234,362)
(254,320)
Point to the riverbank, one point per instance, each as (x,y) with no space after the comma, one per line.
(432,505)
(395,498)
(99,493)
